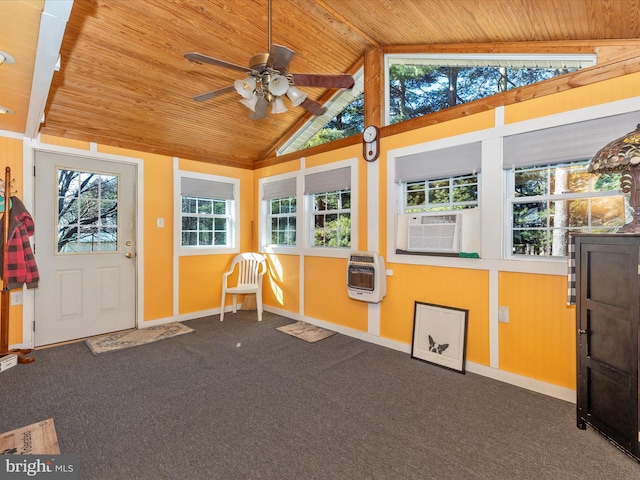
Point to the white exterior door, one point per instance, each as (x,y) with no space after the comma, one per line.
(85,247)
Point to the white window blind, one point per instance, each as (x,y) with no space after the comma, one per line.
(441,163)
(328,181)
(566,143)
(279,189)
(196,187)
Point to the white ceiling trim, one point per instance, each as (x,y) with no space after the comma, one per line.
(53,23)
(515,60)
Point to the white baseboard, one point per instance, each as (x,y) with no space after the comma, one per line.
(191,316)
(561,393)
(179,318)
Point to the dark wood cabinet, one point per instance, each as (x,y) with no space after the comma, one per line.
(607,315)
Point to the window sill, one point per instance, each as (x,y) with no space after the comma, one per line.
(535,266)
(190,251)
(438,254)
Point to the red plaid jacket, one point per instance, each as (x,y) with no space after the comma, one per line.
(19,265)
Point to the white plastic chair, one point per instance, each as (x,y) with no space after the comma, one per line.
(251,268)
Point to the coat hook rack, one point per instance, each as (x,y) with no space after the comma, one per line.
(5,294)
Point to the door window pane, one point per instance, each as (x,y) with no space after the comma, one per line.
(87,212)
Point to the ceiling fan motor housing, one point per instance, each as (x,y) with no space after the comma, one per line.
(259,62)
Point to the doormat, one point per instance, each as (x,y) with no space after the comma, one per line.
(307,332)
(37,439)
(133,338)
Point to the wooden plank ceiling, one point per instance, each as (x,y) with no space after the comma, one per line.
(124,81)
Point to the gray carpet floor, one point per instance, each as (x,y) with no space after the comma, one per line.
(241,400)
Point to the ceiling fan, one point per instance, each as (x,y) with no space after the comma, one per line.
(268,80)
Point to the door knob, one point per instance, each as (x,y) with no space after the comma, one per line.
(129,255)
(582,332)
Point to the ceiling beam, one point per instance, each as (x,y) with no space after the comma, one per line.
(374,87)
(53,23)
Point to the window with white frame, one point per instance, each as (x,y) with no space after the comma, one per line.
(443,179)
(208,212)
(282,214)
(549,202)
(419,84)
(437,180)
(451,193)
(344,116)
(328,195)
(549,192)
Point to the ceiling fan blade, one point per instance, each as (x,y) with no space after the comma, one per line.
(341,80)
(279,57)
(200,58)
(260,109)
(213,93)
(313,107)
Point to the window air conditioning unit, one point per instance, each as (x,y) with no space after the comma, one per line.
(434,232)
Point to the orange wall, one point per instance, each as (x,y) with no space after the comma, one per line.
(158,241)
(451,287)
(325,294)
(589,95)
(200,276)
(540,339)
(538,342)
(11,154)
(200,282)
(281,284)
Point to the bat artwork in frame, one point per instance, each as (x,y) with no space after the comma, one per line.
(440,335)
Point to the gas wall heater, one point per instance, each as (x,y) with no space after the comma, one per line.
(366,277)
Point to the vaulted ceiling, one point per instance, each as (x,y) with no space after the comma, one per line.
(123,79)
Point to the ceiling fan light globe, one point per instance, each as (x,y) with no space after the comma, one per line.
(296,96)
(250,102)
(278,85)
(278,106)
(245,87)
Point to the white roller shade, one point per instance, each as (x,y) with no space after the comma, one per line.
(279,189)
(566,143)
(442,163)
(328,181)
(196,187)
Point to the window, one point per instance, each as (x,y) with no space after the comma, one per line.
(208,212)
(87,211)
(332,219)
(451,193)
(309,210)
(550,194)
(419,84)
(549,202)
(329,205)
(205,222)
(344,117)
(281,212)
(438,180)
(282,221)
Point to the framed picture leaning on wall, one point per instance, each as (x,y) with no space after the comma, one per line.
(440,335)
